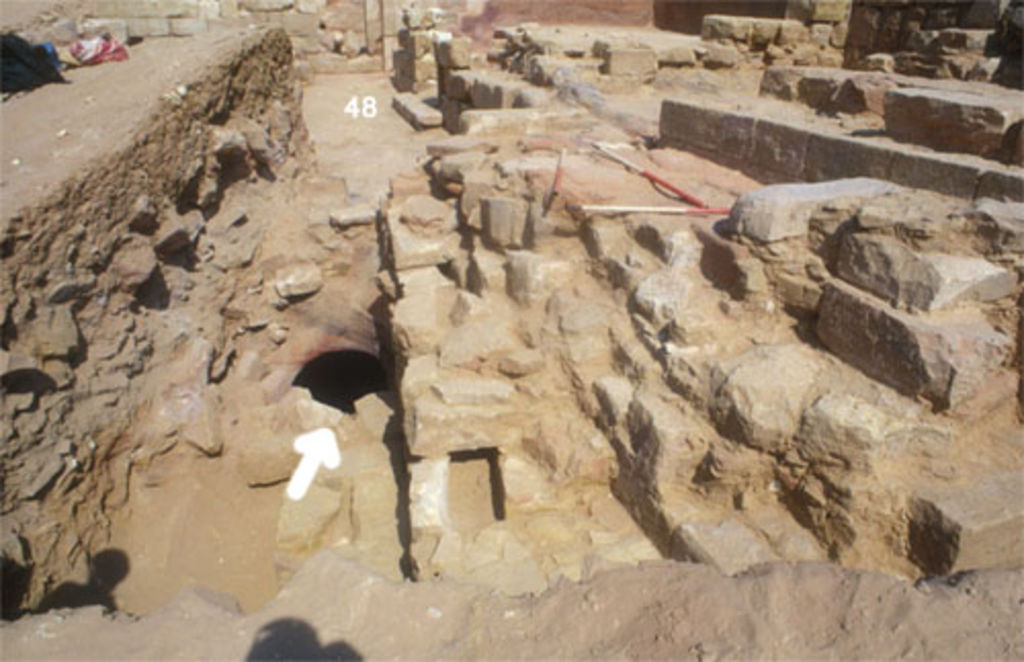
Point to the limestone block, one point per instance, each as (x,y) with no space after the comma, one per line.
(132,265)
(727,545)
(428,495)
(456,167)
(411,249)
(148,8)
(1000,223)
(186,27)
(842,430)
(519,121)
(473,391)
(531,97)
(458,85)
(752,405)
(971,527)
(614,394)
(837,157)
(661,295)
(529,276)
(302,525)
(778,212)
(416,112)
(780,148)
(451,111)
(720,26)
(489,92)
(945,360)
(265,5)
(522,362)
(356,215)
(454,53)
(679,56)
(414,41)
(473,343)
(504,222)
(460,145)
(721,57)
(310,6)
(298,280)
(639,62)
(936,172)
(526,485)
(792,33)
(435,428)
(148,27)
(486,273)
(919,281)
(952,121)
(695,126)
(417,323)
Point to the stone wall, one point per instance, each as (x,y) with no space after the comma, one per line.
(965,39)
(688,15)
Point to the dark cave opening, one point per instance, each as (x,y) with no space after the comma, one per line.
(338,379)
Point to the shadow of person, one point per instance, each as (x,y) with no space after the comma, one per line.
(292,639)
(106,570)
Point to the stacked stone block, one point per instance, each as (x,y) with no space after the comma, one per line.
(963,39)
(414,63)
(454,87)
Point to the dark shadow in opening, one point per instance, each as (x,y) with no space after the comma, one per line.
(153,293)
(106,570)
(294,639)
(15,578)
(494,471)
(338,379)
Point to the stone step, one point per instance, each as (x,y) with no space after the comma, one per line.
(986,125)
(946,359)
(416,112)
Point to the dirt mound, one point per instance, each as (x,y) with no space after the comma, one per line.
(333,608)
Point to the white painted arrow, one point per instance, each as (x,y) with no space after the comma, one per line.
(317,447)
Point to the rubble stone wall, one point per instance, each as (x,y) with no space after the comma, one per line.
(84,265)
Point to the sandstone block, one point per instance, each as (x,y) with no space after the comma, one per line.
(842,430)
(298,280)
(778,212)
(521,362)
(459,84)
(732,28)
(614,394)
(919,281)
(967,528)
(518,121)
(727,545)
(414,41)
(640,62)
(455,53)
(428,495)
(436,428)
(661,295)
(132,266)
(952,121)
(721,57)
(1000,223)
(504,221)
(752,405)
(694,126)
(186,27)
(473,391)
(416,112)
(780,148)
(944,360)
(679,56)
(148,27)
(838,157)
(489,93)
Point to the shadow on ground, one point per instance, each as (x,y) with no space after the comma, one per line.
(106,570)
(293,639)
